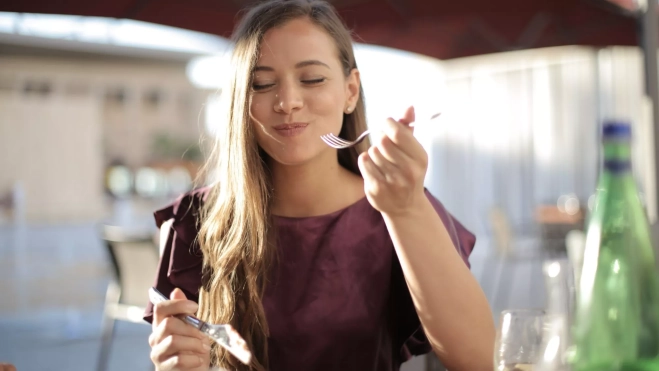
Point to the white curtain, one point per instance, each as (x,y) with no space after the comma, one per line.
(523,128)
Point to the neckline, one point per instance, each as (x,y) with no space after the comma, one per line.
(322,216)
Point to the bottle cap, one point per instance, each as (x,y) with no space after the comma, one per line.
(616,130)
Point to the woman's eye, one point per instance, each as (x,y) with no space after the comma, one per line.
(259,87)
(314,81)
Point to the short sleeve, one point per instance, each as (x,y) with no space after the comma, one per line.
(181,260)
(463,240)
(409,337)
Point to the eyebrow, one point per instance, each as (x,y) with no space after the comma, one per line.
(312,62)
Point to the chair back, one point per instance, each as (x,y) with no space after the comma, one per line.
(134,257)
(501,231)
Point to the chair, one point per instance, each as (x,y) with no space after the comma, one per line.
(511,260)
(12,205)
(134,258)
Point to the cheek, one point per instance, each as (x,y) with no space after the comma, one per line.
(326,103)
(259,133)
(258,107)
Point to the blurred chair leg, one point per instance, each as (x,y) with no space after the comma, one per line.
(499,264)
(506,282)
(112,296)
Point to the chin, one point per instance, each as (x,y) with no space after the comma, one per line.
(293,157)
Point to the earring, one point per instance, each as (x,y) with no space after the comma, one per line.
(349,109)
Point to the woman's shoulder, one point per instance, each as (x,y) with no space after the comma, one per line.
(185,208)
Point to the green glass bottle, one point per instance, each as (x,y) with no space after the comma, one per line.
(616,324)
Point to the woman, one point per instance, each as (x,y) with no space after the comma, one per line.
(321,259)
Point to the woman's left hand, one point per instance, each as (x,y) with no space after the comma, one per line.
(394,168)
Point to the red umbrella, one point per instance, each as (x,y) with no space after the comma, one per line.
(441,29)
(437,28)
(626,5)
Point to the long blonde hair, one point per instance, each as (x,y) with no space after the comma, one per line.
(236,232)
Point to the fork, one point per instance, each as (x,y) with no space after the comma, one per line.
(340,143)
(224,335)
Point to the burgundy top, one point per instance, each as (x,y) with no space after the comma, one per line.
(339,301)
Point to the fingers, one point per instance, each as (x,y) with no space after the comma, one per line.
(401,165)
(176,344)
(402,137)
(174,307)
(173,326)
(7,367)
(182,362)
(408,117)
(404,156)
(177,294)
(386,168)
(387,149)
(368,169)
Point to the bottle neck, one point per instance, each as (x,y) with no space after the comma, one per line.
(617,156)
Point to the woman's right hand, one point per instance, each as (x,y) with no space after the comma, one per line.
(175,345)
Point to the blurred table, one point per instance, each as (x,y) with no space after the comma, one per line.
(555,224)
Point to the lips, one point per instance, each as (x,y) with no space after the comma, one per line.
(291,129)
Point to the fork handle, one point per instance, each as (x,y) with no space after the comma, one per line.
(156,297)
(192,320)
(432,117)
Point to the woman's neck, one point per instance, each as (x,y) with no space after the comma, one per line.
(315,188)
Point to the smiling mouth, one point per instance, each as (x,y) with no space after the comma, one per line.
(290,130)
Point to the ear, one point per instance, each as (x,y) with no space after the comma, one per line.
(352,90)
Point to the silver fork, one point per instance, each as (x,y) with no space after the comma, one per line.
(340,143)
(224,335)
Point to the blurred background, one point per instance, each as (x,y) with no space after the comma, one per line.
(102,107)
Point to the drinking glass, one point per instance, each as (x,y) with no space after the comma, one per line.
(519,341)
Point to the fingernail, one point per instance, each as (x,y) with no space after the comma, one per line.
(206,346)
(171,295)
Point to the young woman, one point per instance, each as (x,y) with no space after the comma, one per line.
(322,259)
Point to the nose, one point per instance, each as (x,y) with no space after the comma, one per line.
(289,98)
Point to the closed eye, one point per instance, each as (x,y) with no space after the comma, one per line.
(260,87)
(314,81)
(263,87)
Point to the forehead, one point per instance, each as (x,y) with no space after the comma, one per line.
(295,41)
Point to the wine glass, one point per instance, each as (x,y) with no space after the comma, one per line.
(519,341)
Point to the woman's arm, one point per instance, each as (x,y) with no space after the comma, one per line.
(451,306)
(449,301)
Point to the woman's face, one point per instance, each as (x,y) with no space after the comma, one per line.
(299,92)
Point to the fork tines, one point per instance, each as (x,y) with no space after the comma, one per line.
(335,141)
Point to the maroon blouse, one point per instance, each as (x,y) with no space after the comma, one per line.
(339,300)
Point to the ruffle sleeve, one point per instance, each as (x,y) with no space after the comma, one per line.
(181,259)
